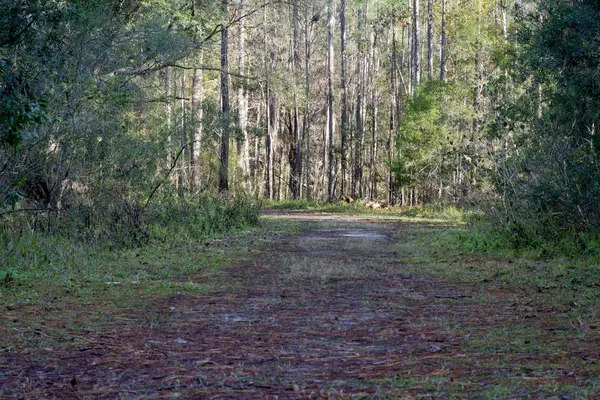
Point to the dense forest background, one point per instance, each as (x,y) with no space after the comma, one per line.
(117,114)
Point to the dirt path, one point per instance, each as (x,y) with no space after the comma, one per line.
(336,311)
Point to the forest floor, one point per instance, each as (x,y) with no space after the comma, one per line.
(310,306)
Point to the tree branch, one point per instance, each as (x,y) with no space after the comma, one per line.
(173,165)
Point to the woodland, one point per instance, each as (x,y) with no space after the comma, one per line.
(128,108)
(372,199)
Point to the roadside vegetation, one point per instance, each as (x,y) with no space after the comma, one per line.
(123,245)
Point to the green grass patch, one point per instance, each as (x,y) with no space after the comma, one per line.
(78,256)
(428,212)
(448,253)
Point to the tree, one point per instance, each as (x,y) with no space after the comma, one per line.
(430,39)
(330,113)
(344,100)
(224,151)
(416,59)
(307,110)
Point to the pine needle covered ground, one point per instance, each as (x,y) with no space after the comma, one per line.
(312,305)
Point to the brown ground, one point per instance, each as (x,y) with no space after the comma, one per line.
(328,313)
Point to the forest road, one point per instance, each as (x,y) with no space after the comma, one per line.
(336,310)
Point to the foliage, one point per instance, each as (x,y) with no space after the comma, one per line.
(547,170)
(432,142)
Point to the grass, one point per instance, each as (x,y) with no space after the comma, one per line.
(433,213)
(78,256)
(52,266)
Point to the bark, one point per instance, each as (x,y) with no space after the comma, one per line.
(330,113)
(344,100)
(443,43)
(224,150)
(169,112)
(429,39)
(374,111)
(394,115)
(307,116)
(358,137)
(243,151)
(504,23)
(271,133)
(183,141)
(197,115)
(296,167)
(416,67)
(269,150)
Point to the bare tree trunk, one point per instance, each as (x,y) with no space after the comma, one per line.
(269,65)
(374,108)
(243,151)
(429,39)
(443,44)
(330,114)
(358,137)
(271,132)
(297,167)
(416,72)
(394,115)
(197,115)
(269,148)
(183,141)
(307,116)
(344,111)
(174,145)
(255,143)
(504,23)
(169,112)
(280,174)
(224,151)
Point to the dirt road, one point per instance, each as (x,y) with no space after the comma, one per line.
(338,310)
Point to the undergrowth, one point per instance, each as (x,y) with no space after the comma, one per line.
(529,238)
(50,252)
(433,211)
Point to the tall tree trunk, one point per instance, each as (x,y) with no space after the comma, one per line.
(169,112)
(269,147)
(224,151)
(394,115)
(296,134)
(429,39)
(358,137)
(344,106)
(183,141)
(197,115)
(307,116)
(243,151)
(443,44)
(504,23)
(256,142)
(374,110)
(268,65)
(330,114)
(271,132)
(416,59)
